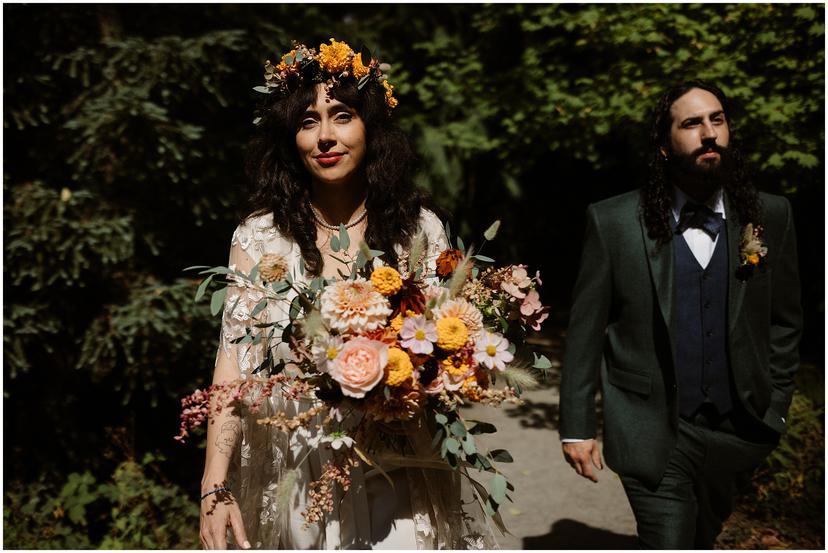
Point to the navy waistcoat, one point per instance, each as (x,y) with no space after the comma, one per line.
(702,366)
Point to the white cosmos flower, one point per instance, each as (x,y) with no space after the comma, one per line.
(325,351)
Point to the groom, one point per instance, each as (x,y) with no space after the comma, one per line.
(689,325)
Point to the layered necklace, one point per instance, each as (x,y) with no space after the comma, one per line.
(333,228)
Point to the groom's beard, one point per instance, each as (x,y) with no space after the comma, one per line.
(707,177)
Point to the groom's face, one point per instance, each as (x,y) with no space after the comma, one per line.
(699,134)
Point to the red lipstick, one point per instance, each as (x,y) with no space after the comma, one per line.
(329,159)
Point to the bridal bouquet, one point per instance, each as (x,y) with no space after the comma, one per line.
(390,351)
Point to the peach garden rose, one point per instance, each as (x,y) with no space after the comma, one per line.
(360,366)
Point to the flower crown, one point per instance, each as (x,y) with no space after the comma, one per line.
(333,64)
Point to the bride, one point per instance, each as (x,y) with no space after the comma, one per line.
(325,153)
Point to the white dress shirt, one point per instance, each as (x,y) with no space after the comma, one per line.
(697,240)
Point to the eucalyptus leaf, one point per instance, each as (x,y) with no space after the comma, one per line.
(194,267)
(483,258)
(295,308)
(203,287)
(468,444)
(488,506)
(344,239)
(365,54)
(460,245)
(452,445)
(440,418)
(541,362)
(438,437)
(458,429)
(335,243)
(501,456)
(262,89)
(360,260)
(217,300)
(259,308)
(482,428)
(497,488)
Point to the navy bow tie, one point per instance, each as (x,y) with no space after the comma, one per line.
(701,217)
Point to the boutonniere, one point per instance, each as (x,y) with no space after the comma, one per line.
(753,251)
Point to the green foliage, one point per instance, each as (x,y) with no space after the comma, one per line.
(133,510)
(575,76)
(149,341)
(794,472)
(62,238)
(787,493)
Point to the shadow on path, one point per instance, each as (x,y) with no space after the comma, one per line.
(571,534)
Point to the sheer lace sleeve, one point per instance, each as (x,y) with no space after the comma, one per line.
(239,305)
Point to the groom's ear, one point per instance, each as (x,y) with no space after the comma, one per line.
(663,151)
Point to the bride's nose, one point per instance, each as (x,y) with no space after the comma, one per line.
(327,136)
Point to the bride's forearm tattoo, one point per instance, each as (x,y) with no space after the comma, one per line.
(227,437)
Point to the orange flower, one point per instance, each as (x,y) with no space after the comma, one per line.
(447,261)
(357,68)
(753,259)
(334,57)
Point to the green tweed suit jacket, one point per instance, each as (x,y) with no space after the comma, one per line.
(621,334)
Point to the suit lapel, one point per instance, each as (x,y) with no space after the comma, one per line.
(736,287)
(662,271)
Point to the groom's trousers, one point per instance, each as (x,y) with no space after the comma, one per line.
(694,497)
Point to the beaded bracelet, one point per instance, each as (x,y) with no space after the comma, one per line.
(217,490)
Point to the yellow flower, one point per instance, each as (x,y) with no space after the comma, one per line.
(336,57)
(399,369)
(753,259)
(386,280)
(389,94)
(455,367)
(283,65)
(357,68)
(451,333)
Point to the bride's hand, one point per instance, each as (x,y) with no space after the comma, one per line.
(218,511)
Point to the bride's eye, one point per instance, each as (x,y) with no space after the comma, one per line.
(343,117)
(308,122)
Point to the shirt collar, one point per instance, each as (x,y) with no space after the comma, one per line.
(714,202)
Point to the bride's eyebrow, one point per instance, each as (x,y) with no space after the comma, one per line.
(339,107)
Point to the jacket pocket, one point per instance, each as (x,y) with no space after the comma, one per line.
(633,381)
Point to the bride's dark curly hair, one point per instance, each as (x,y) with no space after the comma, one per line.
(282,185)
(656,196)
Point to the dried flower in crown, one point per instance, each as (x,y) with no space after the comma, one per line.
(331,65)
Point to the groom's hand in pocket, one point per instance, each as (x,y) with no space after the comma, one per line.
(582,456)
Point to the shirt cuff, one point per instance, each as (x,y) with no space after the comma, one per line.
(574,440)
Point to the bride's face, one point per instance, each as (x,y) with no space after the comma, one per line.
(331,140)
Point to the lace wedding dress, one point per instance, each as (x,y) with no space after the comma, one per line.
(427,508)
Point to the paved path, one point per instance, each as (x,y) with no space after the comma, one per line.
(553,507)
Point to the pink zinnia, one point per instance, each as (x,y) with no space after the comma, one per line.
(418,334)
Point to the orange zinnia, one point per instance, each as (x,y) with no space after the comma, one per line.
(447,261)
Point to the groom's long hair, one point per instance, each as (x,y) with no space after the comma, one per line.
(656,196)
